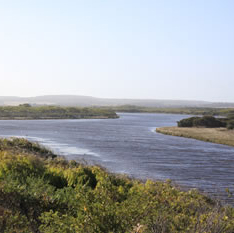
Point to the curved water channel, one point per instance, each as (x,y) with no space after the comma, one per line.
(130,145)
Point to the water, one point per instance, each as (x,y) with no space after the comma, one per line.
(130,145)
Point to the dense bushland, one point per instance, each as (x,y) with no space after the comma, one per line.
(208,122)
(26,111)
(49,194)
(205,121)
(182,110)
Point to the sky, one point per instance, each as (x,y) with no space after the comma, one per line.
(151,49)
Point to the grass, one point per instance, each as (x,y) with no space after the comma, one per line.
(215,135)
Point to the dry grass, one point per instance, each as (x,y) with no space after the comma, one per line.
(216,135)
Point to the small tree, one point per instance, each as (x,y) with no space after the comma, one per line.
(230,124)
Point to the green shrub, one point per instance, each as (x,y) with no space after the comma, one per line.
(205,121)
(188,122)
(19,167)
(230,124)
(56,180)
(22,145)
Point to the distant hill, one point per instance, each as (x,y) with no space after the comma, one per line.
(88,101)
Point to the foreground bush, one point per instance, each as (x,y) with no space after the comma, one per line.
(21,145)
(53,195)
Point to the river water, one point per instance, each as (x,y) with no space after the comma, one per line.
(130,145)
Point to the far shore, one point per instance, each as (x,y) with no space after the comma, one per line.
(215,135)
(28,112)
(59,118)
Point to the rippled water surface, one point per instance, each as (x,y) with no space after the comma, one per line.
(131,145)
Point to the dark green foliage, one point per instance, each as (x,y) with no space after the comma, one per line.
(84,176)
(230,124)
(205,121)
(208,122)
(54,195)
(188,122)
(56,180)
(26,111)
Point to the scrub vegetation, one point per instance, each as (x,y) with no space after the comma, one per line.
(205,121)
(41,192)
(26,111)
(185,110)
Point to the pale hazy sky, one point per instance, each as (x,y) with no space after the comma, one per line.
(162,49)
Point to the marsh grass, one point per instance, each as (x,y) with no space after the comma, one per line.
(215,135)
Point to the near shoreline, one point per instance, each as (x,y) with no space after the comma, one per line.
(215,135)
(42,192)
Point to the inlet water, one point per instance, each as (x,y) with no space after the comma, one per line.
(130,145)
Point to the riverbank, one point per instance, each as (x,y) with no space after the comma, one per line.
(181,110)
(215,135)
(27,112)
(59,118)
(40,191)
